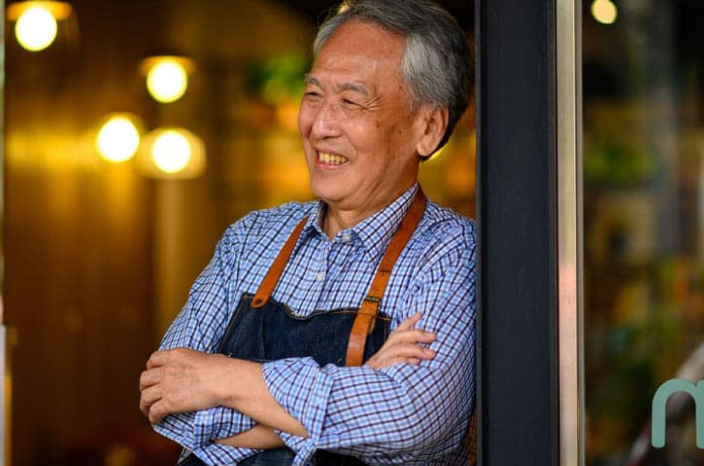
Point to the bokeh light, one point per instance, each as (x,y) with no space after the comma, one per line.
(604,11)
(171,151)
(118,139)
(167,80)
(36,28)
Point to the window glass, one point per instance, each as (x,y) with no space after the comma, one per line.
(643,225)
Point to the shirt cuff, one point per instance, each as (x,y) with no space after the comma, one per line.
(303,390)
(179,428)
(196,432)
(221,455)
(303,447)
(217,423)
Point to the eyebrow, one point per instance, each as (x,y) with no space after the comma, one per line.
(355,87)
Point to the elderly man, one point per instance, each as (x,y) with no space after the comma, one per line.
(284,352)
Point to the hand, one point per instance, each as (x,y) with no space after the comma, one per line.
(403,346)
(181,380)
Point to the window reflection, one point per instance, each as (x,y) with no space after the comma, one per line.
(644,226)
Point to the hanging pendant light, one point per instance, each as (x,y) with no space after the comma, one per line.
(36,22)
(172,153)
(167,76)
(118,139)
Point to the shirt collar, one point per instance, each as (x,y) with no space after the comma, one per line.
(375,231)
(315,220)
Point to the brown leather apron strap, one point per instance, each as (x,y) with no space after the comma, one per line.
(366,316)
(272,276)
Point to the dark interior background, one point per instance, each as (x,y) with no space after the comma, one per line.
(99,258)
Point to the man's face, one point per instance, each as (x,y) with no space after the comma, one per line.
(358,134)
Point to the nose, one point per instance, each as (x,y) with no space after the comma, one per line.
(326,123)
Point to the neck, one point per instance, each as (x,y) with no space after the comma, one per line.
(338,218)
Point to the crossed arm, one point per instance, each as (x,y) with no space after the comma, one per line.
(183,380)
(403,413)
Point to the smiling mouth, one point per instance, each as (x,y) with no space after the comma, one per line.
(327,158)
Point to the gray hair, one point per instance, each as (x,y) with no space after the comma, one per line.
(436,63)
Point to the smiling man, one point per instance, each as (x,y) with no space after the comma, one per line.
(340,331)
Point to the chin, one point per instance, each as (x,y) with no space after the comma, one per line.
(329,194)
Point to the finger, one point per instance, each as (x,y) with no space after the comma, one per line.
(159,358)
(160,409)
(148,398)
(410,322)
(157,412)
(410,350)
(400,353)
(414,336)
(172,356)
(407,336)
(144,407)
(150,377)
(393,361)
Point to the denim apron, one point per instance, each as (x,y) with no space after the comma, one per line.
(262,329)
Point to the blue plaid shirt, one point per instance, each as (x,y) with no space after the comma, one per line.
(402,414)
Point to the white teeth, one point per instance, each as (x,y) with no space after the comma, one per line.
(331,159)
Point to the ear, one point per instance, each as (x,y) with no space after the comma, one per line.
(433,125)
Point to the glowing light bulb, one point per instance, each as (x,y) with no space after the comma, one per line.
(36,28)
(171,151)
(604,11)
(167,80)
(118,139)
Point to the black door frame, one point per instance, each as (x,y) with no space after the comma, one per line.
(528,207)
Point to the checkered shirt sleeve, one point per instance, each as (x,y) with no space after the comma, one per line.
(200,326)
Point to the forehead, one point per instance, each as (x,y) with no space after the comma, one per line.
(360,51)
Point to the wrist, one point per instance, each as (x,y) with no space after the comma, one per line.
(239,378)
(225,381)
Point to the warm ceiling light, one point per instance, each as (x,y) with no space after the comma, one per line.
(36,22)
(36,29)
(118,139)
(172,153)
(167,81)
(344,6)
(604,11)
(167,77)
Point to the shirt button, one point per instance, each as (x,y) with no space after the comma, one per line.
(346,237)
(320,276)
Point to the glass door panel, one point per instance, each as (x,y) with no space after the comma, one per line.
(643,76)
